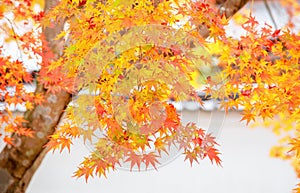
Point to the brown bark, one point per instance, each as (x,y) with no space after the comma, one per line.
(229,7)
(18,163)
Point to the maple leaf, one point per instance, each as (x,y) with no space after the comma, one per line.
(251,21)
(2,10)
(27,77)
(212,154)
(9,140)
(69,130)
(86,171)
(260,57)
(19,120)
(101,167)
(276,33)
(266,31)
(134,159)
(150,158)
(200,132)
(248,116)
(210,139)
(191,156)
(24,131)
(29,105)
(197,141)
(87,134)
(296,146)
(246,92)
(113,161)
(99,108)
(65,143)
(160,145)
(52,144)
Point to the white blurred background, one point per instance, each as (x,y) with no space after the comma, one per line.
(247,168)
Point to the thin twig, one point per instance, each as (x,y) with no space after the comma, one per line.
(270,13)
(15,37)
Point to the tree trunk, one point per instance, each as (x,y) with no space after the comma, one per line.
(230,7)
(19,163)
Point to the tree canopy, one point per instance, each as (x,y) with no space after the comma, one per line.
(120,62)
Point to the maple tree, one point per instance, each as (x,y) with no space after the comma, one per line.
(115,58)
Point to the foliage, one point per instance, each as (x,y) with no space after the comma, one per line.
(131,109)
(111,46)
(16,15)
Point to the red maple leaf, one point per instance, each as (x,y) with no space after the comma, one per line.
(192,156)
(248,116)
(251,21)
(8,140)
(212,154)
(150,158)
(101,167)
(135,160)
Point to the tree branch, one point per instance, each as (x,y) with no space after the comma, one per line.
(19,163)
(230,7)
